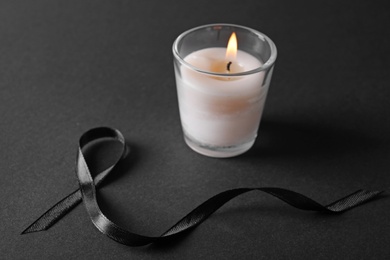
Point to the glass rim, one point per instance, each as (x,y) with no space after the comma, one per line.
(266,65)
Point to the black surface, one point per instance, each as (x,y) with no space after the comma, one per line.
(67,66)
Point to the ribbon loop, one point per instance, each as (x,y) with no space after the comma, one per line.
(87,193)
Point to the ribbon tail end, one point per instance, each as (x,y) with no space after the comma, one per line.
(30,229)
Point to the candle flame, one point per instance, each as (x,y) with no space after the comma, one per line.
(231,50)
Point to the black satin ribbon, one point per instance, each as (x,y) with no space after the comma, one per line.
(87,193)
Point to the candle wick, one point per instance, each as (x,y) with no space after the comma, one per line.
(228,65)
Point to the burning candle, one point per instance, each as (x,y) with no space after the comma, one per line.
(222,90)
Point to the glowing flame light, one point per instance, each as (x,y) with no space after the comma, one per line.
(231,51)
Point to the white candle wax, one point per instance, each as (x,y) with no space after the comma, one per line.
(220,111)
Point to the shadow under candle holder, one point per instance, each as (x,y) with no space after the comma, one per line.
(287,139)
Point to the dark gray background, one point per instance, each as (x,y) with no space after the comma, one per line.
(67,66)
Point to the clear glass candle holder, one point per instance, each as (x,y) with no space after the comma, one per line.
(222,90)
